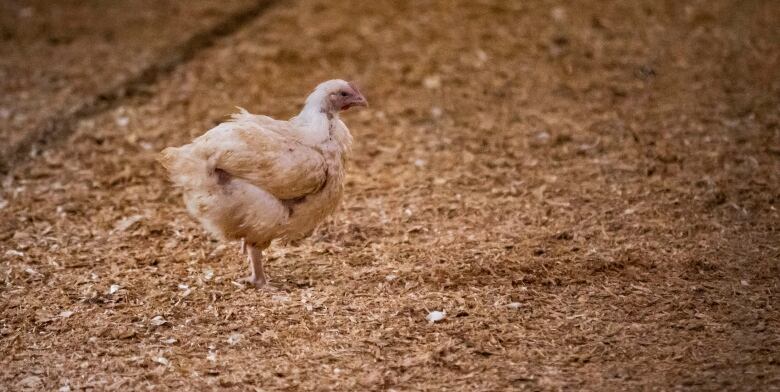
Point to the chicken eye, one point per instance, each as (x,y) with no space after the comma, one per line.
(344,94)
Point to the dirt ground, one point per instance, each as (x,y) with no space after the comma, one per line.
(588,189)
(67,56)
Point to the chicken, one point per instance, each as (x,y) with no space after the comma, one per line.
(257,179)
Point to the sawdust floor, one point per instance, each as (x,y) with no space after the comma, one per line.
(588,191)
(65,55)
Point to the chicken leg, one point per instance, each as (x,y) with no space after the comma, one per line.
(257,275)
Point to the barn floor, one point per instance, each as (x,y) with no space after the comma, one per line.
(590,191)
(71,57)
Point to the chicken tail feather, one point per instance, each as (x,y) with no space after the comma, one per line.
(242,114)
(188,171)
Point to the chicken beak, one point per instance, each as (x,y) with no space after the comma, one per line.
(357,99)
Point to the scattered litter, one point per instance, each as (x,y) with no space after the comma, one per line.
(539,192)
(125,223)
(514,305)
(558,14)
(169,341)
(186,288)
(481,55)
(66,313)
(31,271)
(435,316)
(419,162)
(158,321)
(280,298)
(218,250)
(64,388)
(122,121)
(13,253)
(744,282)
(3,203)
(391,277)
(31,382)
(234,338)
(212,355)
(161,360)
(113,289)
(432,82)
(558,203)
(208,273)
(543,136)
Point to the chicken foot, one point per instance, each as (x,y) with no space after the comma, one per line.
(257,275)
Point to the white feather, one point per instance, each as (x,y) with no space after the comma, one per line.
(258,178)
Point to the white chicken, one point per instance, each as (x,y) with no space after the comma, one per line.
(257,179)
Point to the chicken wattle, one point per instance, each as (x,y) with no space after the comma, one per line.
(256,179)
